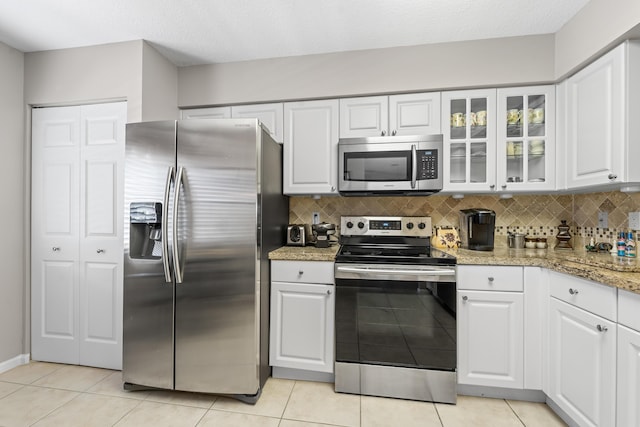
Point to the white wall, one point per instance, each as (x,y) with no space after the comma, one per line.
(86,74)
(494,62)
(599,26)
(12,214)
(159,86)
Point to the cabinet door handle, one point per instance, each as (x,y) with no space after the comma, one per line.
(612,176)
(573,291)
(492,186)
(300,273)
(384,132)
(100,251)
(504,186)
(329,292)
(602,328)
(465,298)
(55,248)
(333,189)
(393,133)
(491,280)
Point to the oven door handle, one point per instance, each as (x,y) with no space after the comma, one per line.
(396,271)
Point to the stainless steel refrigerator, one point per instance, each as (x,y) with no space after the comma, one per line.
(203,207)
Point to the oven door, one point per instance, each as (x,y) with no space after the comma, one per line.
(390,165)
(394,337)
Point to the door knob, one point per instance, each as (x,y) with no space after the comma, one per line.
(328,292)
(465,298)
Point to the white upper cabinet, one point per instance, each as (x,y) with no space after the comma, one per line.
(310,147)
(207,113)
(270,115)
(526,139)
(410,114)
(469,136)
(602,110)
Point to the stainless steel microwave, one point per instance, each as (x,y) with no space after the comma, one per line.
(390,165)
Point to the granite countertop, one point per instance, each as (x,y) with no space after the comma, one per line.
(304,253)
(622,273)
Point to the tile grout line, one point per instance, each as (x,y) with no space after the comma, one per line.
(438,414)
(514,412)
(287,403)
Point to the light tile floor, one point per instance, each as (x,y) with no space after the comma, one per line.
(49,394)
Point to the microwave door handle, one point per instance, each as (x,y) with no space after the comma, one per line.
(414,167)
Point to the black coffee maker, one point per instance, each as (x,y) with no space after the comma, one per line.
(477,228)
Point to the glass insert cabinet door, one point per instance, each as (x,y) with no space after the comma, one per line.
(469,128)
(526,146)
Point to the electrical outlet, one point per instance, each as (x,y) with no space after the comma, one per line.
(315,218)
(634,220)
(603,219)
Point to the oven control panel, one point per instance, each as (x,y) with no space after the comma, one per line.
(405,226)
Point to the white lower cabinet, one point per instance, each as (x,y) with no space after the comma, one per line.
(582,364)
(490,326)
(302,316)
(628,410)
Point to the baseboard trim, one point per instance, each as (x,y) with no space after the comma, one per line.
(21,359)
(301,374)
(501,393)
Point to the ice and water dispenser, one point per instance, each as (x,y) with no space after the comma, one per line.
(145,230)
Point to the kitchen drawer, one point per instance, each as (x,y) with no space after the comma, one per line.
(629,309)
(591,296)
(302,271)
(490,278)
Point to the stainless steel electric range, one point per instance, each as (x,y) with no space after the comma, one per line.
(395,311)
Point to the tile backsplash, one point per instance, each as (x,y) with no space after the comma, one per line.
(530,214)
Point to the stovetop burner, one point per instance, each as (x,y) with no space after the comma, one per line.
(389,240)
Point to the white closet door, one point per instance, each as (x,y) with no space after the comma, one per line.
(55,230)
(77,238)
(101,241)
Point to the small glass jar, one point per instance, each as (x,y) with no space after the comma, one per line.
(541,243)
(530,242)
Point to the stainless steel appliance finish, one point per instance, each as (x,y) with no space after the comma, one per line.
(298,235)
(390,165)
(395,336)
(196,306)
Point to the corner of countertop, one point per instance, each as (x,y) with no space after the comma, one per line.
(304,253)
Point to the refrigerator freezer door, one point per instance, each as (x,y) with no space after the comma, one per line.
(148,297)
(216,348)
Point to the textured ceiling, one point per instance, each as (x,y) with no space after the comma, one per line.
(211,31)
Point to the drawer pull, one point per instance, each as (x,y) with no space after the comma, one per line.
(573,291)
(465,298)
(602,328)
(491,280)
(300,273)
(328,292)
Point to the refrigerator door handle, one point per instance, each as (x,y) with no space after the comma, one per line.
(176,204)
(164,227)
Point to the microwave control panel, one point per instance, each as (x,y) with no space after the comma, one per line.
(427,164)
